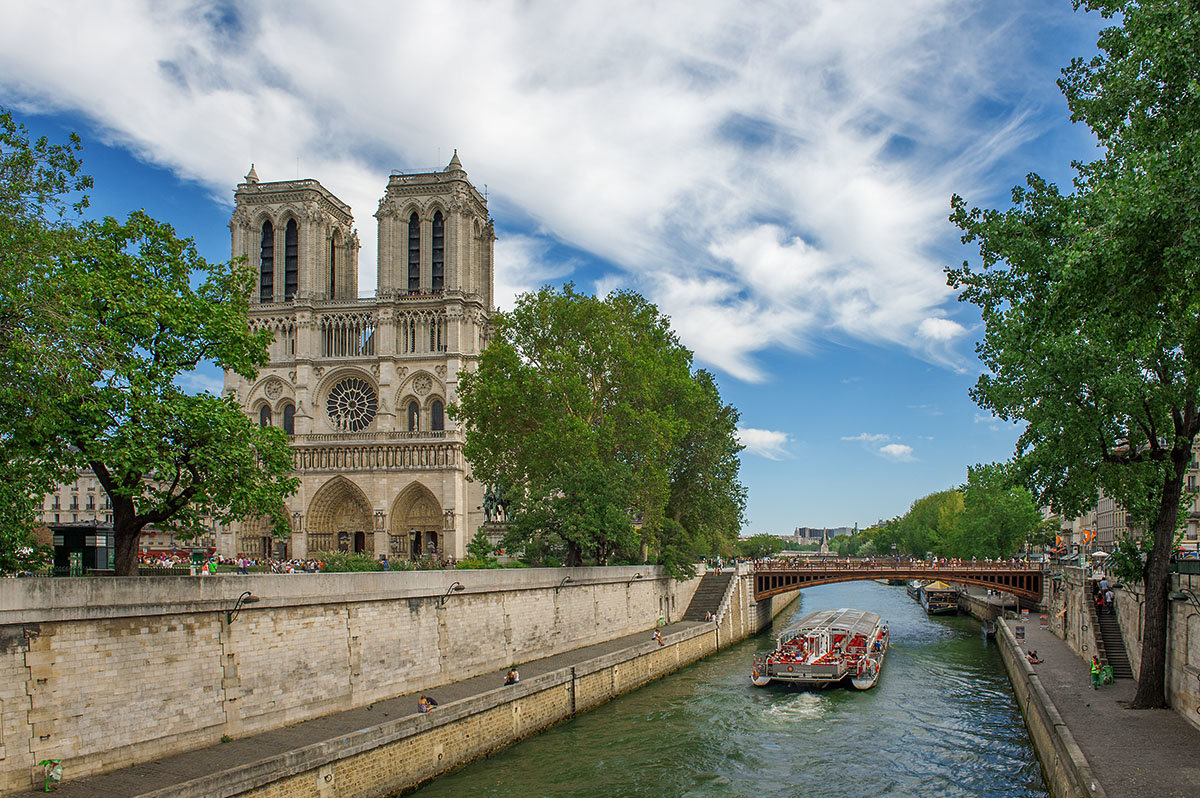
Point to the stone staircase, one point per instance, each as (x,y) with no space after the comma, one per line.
(708,596)
(1112,650)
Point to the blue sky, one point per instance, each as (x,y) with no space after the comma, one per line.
(775,176)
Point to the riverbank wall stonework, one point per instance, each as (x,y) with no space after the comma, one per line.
(103,673)
(1073,618)
(1064,766)
(395,757)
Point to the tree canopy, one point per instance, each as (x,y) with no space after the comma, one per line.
(1090,300)
(608,446)
(100,321)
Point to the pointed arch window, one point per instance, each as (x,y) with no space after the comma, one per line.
(291,260)
(438,411)
(414,416)
(264,416)
(289,419)
(439,252)
(414,253)
(334,241)
(266,261)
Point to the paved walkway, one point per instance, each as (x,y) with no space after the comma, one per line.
(1148,752)
(164,773)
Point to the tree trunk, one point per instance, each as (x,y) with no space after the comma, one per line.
(127,534)
(574,555)
(1152,676)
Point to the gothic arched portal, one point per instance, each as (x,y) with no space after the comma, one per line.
(417,522)
(339,519)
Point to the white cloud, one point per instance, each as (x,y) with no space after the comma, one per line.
(764,442)
(940,330)
(897,451)
(868,437)
(521,266)
(769,178)
(201,381)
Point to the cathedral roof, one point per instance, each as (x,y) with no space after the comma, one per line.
(455,165)
(252,176)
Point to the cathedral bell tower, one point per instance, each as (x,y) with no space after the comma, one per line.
(361,385)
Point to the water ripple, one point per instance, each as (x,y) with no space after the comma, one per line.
(942,721)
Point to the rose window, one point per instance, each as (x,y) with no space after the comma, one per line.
(352,404)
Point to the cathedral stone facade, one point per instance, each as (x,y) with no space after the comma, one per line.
(361,385)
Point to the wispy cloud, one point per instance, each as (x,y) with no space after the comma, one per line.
(770,179)
(770,444)
(868,437)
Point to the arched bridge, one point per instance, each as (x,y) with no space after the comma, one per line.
(780,576)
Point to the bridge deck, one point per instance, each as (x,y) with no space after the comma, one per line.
(774,577)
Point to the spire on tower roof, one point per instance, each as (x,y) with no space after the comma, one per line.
(252,176)
(455,165)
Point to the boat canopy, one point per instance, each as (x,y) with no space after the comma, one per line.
(939,585)
(842,620)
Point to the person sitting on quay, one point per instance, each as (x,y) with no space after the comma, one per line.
(1032,656)
(512,677)
(658,636)
(426,704)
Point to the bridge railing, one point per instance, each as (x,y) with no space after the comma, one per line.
(889,564)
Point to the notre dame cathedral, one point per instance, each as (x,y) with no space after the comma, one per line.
(361,385)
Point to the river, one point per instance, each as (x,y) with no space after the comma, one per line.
(941,722)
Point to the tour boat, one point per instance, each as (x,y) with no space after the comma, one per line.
(824,648)
(939,598)
(914,589)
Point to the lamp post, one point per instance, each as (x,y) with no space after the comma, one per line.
(457,587)
(242,601)
(562,584)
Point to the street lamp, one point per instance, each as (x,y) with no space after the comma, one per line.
(242,601)
(561,584)
(636,577)
(457,587)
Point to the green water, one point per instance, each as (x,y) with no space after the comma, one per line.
(941,722)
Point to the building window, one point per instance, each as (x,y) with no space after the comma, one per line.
(414,417)
(414,253)
(333,247)
(291,260)
(289,419)
(266,268)
(439,252)
(264,416)
(438,422)
(351,404)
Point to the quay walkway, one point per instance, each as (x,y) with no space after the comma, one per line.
(1131,753)
(163,777)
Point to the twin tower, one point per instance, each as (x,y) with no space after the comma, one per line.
(361,385)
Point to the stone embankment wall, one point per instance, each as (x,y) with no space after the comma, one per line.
(1183,640)
(1072,617)
(402,754)
(1067,771)
(103,673)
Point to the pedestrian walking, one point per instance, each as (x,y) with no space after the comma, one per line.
(1108,600)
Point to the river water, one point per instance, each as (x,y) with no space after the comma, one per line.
(942,721)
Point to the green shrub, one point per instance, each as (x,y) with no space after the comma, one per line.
(341,561)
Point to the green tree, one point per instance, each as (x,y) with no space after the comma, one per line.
(41,193)
(999,517)
(759,546)
(102,319)
(480,548)
(587,411)
(1090,299)
(931,524)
